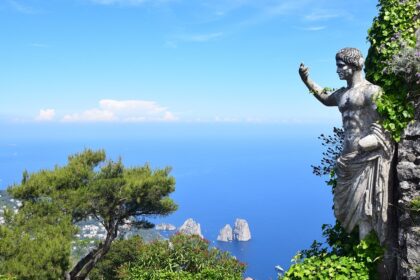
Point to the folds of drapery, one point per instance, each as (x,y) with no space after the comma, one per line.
(361,194)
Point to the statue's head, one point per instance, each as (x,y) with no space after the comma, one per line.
(349,60)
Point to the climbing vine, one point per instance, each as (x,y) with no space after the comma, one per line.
(391,36)
(345,260)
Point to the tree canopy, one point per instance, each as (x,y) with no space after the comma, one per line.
(89,185)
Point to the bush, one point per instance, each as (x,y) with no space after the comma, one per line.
(343,261)
(182,257)
(121,252)
(328,267)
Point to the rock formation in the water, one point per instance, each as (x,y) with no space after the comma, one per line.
(241,231)
(191,227)
(165,226)
(226,234)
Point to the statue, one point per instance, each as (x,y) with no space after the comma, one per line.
(363,169)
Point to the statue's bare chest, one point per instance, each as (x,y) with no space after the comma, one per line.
(351,100)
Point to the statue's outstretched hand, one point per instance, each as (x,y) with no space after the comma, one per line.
(303,72)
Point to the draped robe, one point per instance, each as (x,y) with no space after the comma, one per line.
(362,192)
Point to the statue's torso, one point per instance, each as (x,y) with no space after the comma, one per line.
(358,112)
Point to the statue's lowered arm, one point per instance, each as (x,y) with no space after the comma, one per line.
(319,92)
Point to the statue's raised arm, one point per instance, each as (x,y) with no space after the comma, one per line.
(319,92)
(363,192)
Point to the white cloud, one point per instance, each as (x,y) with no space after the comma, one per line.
(130,2)
(168,116)
(22,8)
(323,15)
(200,38)
(269,10)
(285,7)
(131,105)
(123,111)
(219,119)
(92,115)
(45,115)
(313,28)
(39,45)
(121,2)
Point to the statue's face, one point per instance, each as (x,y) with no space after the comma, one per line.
(344,70)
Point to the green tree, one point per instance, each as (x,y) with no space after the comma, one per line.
(35,243)
(183,257)
(92,186)
(122,251)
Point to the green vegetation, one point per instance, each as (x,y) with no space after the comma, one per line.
(344,257)
(392,38)
(121,252)
(6,277)
(333,147)
(393,63)
(36,241)
(182,257)
(415,205)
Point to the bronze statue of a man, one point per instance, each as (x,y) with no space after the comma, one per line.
(363,169)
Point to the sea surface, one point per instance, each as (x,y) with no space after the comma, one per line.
(259,175)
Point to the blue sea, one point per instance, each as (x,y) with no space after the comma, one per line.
(261,173)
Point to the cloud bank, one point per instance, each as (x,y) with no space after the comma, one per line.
(45,115)
(123,111)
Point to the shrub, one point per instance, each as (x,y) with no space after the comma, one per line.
(182,257)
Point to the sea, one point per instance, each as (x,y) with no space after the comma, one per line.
(261,173)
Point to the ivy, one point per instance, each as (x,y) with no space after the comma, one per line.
(344,261)
(392,31)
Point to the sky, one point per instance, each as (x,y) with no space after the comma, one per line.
(172,61)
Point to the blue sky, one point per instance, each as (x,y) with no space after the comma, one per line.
(177,61)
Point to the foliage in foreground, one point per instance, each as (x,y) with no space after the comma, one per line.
(182,257)
(36,241)
(343,256)
(346,258)
(122,251)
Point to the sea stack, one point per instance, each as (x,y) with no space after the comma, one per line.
(191,227)
(241,231)
(226,234)
(165,227)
